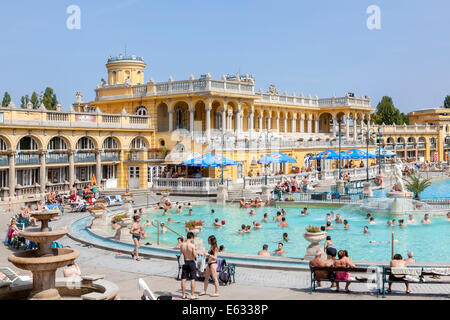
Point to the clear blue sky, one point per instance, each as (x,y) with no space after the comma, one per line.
(315,47)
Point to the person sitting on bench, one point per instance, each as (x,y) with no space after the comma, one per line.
(319,262)
(398,262)
(343,262)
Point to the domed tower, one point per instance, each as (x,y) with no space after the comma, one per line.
(125,69)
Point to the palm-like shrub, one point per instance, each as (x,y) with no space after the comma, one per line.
(416,184)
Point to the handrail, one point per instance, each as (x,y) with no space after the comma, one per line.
(169,229)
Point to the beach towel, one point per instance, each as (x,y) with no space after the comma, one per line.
(407,271)
(201,263)
(438,271)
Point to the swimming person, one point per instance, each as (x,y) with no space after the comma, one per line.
(410,258)
(217,223)
(189,268)
(252,212)
(211,268)
(304,212)
(283,223)
(242,230)
(366,229)
(266,217)
(346,225)
(338,218)
(179,242)
(329,248)
(190,211)
(280,249)
(411,219)
(401,223)
(222,249)
(179,210)
(448,216)
(328,227)
(426,219)
(278,217)
(257,225)
(137,232)
(212,211)
(389,223)
(368,216)
(372,220)
(264,251)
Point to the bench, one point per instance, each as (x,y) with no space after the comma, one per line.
(387,271)
(372,276)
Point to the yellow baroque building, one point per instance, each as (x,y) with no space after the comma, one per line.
(126,135)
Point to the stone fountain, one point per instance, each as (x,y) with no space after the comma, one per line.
(44,261)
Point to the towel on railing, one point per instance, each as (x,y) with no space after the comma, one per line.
(438,271)
(407,271)
(201,263)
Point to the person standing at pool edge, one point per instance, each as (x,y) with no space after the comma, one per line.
(211,269)
(136,231)
(189,268)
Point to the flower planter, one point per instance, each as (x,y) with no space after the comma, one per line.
(314,238)
(196,231)
(127,198)
(98,220)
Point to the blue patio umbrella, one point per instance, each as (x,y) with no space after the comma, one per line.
(356,154)
(209,160)
(276,157)
(329,154)
(382,153)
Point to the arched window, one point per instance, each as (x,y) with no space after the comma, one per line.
(411,140)
(3,145)
(27,143)
(85,143)
(138,143)
(110,143)
(57,143)
(141,111)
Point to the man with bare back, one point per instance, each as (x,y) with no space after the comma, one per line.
(189,269)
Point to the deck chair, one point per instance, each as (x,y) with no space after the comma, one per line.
(147,294)
(13,276)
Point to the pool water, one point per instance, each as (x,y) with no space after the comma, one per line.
(428,242)
(439,189)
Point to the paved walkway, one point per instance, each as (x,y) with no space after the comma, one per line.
(251,284)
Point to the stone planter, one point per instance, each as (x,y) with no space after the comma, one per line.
(122,234)
(314,238)
(98,221)
(196,231)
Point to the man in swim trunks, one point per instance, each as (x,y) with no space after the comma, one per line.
(280,249)
(426,219)
(189,268)
(398,262)
(319,262)
(283,223)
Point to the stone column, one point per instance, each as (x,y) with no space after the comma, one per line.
(302,124)
(269,123)
(335,129)
(309,125)
(191,121)
(317,126)
(98,166)
(251,120)
(12,175)
(260,123)
(224,120)
(277,121)
(285,124)
(347,127)
(354,129)
(42,172)
(294,124)
(71,168)
(171,120)
(208,122)
(229,123)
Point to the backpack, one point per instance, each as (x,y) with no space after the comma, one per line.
(225,274)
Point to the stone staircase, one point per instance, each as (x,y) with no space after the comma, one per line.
(237,193)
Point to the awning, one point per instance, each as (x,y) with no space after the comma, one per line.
(180,157)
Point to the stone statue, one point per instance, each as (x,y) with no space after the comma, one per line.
(273,89)
(398,176)
(79,97)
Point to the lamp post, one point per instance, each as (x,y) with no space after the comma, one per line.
(379,136)
(339,150)
(367,149)
(223,147)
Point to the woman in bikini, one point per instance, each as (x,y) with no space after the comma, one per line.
(343,262)
(211,269)
(137,232)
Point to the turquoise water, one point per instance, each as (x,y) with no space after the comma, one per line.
(428,242)
(440,189)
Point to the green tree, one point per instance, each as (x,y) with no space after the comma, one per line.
(35,100)
(387,113)
(6,100)
(24,101)
(447,102)
(416,184)
(48,98)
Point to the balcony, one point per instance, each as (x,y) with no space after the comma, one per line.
(57,158)
(157,156)
(85,157)
(109,156)
(136,156)
(27,159)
